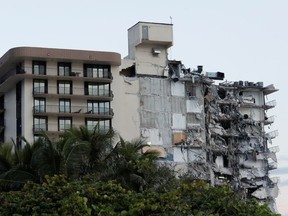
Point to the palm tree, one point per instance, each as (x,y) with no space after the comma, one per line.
(15,166)
(130,166)
(95,146)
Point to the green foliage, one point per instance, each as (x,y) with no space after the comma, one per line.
(57,196)
(82,174)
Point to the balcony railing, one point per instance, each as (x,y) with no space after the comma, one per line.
(40,109)
(74,91)
(38,128)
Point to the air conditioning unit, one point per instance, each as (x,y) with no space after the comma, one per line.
(215,75)
(156,51)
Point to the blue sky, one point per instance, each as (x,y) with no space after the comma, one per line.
(247,40)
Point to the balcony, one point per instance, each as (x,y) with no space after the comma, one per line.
(101,112)
(270,104)
(274,149)
(53,129)
(272,134)
(269,120)
(272,165)
(51,91)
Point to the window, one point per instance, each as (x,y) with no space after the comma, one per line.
(102,125)
(145,32)
(39,105)
(97,107)
(64,69)
(97,89)
(97,71)
(65,105)
(40,123)
(39,86)
(191,90)
(64,87)
(39,67)
(64,123)
(37,137)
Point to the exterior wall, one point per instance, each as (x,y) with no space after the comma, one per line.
(10,115)
(157,33)
(27,109)
(126,119)
(149,64)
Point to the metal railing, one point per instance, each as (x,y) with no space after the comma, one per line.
(72,109)
(73,91)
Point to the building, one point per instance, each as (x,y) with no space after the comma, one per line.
(215,132)
(54,89)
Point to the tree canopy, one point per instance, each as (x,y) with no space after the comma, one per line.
(82,173)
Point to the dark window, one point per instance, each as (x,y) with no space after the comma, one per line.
(39,67)
(39,86)
(97,71)
(98,107)
(37,137)
(39,105)
(64,87)
(191,90)
(64,123)
(64,105)
(64,69)
(145,34)
(97,89)
(102,125)
(40,123)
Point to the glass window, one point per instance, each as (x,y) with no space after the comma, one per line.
(64,87)
(97,71)
(98,107)
(102,125)
(92,107)
(93,89)
(64,69)
(64,123)
(104,108)
(91,124)
(97,89)
(40,123)
(39,86)
(39,67)
(39,105)
(64,105)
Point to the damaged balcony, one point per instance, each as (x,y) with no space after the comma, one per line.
(270,104)
(269,120)
(272,134)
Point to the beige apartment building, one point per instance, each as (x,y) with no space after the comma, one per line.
(216,132)
(45,89)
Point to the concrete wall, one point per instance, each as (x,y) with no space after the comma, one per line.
(125,104)
(27,109)
(10,115)
(147,62)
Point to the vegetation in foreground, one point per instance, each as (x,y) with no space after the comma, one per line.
(83,174)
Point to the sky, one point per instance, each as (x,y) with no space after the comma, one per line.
(247,40)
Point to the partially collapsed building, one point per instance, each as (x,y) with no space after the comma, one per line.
(215,132)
